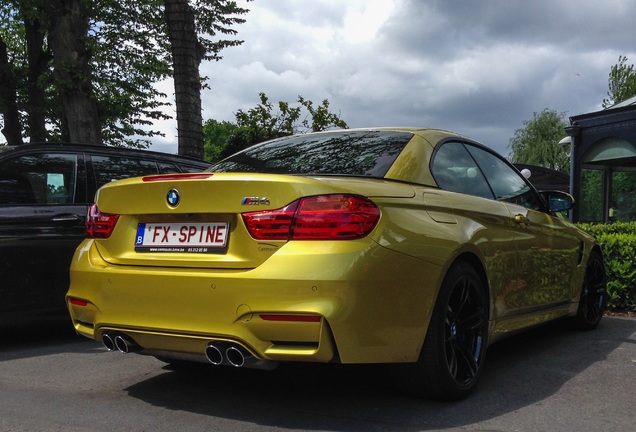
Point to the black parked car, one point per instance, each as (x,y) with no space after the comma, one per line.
(45,190)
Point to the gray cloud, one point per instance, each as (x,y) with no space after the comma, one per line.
(479,68)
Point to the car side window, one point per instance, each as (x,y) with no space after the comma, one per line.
(455,170)
(111,168)
(505,182)
(38,179)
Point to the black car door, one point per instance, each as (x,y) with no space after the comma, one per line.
(42,213)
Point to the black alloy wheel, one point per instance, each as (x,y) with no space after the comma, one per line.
(453,354)
(465,330)
(593,294)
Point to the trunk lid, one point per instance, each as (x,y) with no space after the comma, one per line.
(150,229)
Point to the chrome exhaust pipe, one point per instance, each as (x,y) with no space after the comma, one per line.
(233,354)
(236,356)
(125,345)
(108,342)
(214,355)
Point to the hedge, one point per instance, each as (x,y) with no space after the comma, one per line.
(618,243)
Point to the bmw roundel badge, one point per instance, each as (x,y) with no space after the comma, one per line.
(173,198)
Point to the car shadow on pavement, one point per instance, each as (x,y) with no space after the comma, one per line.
(519,372)
(41,336)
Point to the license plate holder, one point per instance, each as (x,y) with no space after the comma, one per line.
(196,237)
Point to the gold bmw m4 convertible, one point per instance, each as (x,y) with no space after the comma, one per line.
(413,247)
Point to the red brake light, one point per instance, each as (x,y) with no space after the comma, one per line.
(176,176)
(98,224)
(324,217)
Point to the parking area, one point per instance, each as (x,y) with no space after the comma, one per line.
(551,378)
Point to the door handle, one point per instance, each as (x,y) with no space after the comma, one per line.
(66,218)
(521,220)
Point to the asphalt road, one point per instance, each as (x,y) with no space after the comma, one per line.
(549,379)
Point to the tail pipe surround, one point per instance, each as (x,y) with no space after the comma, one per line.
(119,342)
(233,354)
(108,342)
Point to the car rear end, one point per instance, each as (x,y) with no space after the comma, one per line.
(248,269)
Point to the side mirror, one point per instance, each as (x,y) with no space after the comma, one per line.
(558,201)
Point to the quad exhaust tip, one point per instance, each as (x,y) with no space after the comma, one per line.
(108,342)
(230,354)
(119,342)
(216,353)
(233,354)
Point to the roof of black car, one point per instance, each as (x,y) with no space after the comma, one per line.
(95,148)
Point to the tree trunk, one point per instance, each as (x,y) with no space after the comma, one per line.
(71,60)
(38,65)
(12,130)
(186,58)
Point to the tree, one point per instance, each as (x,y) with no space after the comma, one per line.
(537,142)
(622,83)
(69,26)
(186,57)
(188,26)
(8,98)
(217,135)
(106,57)
(22,58)
(129,57)
(261,123)
(76,80)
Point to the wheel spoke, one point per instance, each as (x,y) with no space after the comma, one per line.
(466,323)
(593,310)
(471,323)
(465,356)
(455,310)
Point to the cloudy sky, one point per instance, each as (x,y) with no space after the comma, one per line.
(480,68)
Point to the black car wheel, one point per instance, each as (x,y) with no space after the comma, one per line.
(453,354)
(593,294)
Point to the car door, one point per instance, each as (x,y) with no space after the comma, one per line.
(547,249)
(483,221)
(42,213)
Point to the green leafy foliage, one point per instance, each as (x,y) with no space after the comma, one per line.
(129,53)
(216,136)
(537,143)
(262,123)
(622,83)
(618,242)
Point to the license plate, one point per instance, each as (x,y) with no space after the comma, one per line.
(191,237)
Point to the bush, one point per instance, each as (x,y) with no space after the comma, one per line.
(618,242)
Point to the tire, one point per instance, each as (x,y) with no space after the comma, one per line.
(454,350)
(593,294)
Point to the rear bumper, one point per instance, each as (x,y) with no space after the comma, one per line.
(351,301)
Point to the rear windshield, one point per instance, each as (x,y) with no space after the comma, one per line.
(360,153)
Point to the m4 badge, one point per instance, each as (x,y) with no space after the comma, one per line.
(255,201)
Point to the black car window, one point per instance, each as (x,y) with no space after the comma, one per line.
(359,153)
(38,179)
(111,168)
(506,183)
(455,170)
(167,168)
(190,168)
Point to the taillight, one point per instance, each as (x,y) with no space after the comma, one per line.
(323,217)
(98,224)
